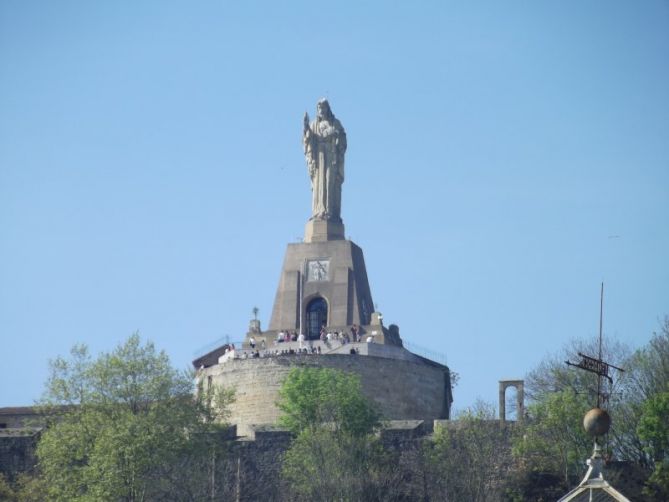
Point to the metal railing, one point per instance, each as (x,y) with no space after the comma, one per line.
(205,349)
(424,352)
(419,350)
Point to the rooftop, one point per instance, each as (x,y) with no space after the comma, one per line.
(594,488)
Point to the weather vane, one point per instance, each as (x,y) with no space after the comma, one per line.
(596,423)
(597,365)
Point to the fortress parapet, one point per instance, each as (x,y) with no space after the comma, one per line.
(404,386)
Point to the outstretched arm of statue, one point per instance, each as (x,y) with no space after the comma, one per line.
(306,122)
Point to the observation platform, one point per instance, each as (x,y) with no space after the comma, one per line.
(404,385)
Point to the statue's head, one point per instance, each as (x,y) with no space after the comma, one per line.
(323,110)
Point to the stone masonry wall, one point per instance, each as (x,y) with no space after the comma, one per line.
(250,467)
(402,389)
(17,451)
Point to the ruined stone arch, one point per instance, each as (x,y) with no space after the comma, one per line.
(519,385)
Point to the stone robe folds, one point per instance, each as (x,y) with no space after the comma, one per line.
(324,148)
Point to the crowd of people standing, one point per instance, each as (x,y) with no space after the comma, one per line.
(328,337)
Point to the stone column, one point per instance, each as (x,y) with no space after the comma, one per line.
(502,401)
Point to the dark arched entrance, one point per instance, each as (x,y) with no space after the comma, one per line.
(317,315)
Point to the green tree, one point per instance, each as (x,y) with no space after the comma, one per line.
(30,488)
(552,376)
(553,439)
(654,426)
(6,490)
(324,464)
(25,488)
(335,454)
(646,375)
(125,427)
(467,457)
(312,397)
(654,431)
(648,368)
(551,447)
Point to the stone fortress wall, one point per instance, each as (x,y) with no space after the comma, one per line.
(403,385)
(20,428)
(18,451)
(250,468)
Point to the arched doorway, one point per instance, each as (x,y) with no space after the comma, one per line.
(317,314)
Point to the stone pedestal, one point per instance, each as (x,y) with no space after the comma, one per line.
(323,230)
(333,270)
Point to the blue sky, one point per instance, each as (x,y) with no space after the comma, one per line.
(504,158)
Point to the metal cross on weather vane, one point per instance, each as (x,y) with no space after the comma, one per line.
(597,365)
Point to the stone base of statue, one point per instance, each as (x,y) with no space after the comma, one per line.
(327,279)
(323,230)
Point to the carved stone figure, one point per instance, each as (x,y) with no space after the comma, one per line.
(324,142)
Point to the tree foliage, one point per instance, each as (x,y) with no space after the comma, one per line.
(465,459)
(6,489)
(654,426)
(654,432)
(553,441)
(123,426)
(324,464)
(335,454)
(312,397)
(649,366)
